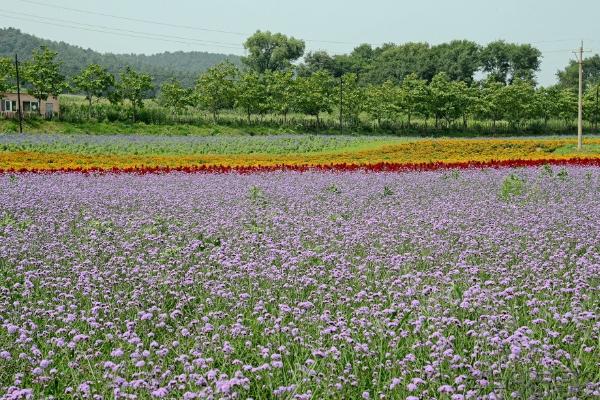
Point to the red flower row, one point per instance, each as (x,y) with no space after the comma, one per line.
(378,167)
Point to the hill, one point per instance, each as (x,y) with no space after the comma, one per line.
(184,66)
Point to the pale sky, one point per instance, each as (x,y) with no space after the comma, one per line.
(337,26)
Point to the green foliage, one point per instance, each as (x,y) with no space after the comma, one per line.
(215,89)
(567,104)
(394,62)
(7,74)
(513,185)
(517,102)
(382,102)
(353,98)
(315,94)
(506,62)
(175,97)
(43,74)
(415,93)
(252,94)
(459,59)
(591,104)
(94,81)
(134,86)
(568,78)
(183,66)
(272,51)
(281,87)
(256,195)
(563,174)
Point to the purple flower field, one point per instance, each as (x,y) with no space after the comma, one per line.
(480,284)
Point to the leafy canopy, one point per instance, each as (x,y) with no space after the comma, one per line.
(43,74)
(272,51)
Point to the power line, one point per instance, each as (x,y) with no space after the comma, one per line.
(103,27)
(197,28)
(137,36)
(146,21)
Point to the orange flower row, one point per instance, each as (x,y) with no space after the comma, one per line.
(417,152)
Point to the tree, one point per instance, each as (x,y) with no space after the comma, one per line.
(517,101)
(382,102)
(569,77)
(567,104)
(7,74)
(546,103)
(415,93)
(505,62)
(175,97)
(316,61)
(134,86)
(466,100)
(252,95)
(491,106)
(591,104)
(94,81)
(352,98)
(447,99)
(394,62)
(215,89)
(43,74)
(459,59)
(272,51)
(281,88)
(315,94)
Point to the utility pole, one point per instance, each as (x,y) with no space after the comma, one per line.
(341,105)
(19,95)
(580,104)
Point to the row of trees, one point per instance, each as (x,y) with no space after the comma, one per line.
(42,78)
(441,100)
(276,88)
(458,59)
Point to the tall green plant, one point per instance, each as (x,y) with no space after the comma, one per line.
(94,81)
(215,89)
(135,87)
(7,74)
(43,74)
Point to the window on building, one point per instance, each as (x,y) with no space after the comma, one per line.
(30,106)
(10,105)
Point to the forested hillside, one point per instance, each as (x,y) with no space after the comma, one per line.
(184,66)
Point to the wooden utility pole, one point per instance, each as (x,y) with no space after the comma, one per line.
(19,95)
(580,103)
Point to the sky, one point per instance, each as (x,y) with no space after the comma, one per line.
(553,26)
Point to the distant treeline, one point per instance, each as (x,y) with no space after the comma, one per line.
(393,87)
(184,66)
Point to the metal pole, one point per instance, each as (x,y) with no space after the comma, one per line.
(580,106)
(19,95)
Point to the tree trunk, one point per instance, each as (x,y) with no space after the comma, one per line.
(89,107)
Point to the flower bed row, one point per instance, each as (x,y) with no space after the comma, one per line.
(343,167)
